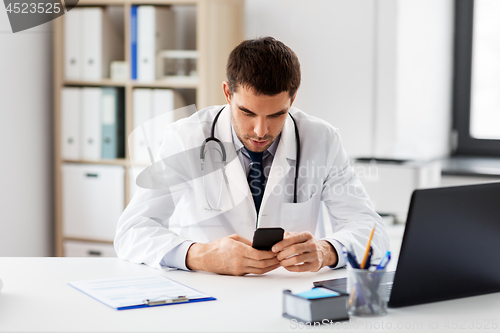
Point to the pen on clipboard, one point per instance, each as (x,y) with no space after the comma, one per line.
(365,264)
(159,300)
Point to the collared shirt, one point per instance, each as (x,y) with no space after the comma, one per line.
(267,157)
(177,257)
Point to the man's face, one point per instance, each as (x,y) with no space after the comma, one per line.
(257,119)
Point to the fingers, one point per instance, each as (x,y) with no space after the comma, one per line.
(299,259)
(251,253)
(261,263)
(295,249)
(254,270)
(245,246)
(307,267)
(292,238)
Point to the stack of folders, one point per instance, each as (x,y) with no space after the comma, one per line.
(92,40)
(92,123)
(153,110)
(152,30)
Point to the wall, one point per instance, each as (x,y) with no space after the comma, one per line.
(414,78)
(334,41)
(341,44)
(378,70)
(25,140)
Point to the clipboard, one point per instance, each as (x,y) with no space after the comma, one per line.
(135,292)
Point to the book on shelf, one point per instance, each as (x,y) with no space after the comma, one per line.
(91,42)
(70,123)
(92,123)
(133,42)
(113,123)
(153,110)
(154,29)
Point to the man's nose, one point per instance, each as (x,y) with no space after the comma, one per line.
(260,127)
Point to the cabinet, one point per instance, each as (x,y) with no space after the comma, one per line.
(208,29)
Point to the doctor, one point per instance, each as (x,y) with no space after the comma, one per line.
(201,222)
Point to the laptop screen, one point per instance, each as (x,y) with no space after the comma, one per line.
(451,245)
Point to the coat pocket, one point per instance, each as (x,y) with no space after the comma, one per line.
(299,217)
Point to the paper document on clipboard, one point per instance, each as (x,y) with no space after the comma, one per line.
(139,291)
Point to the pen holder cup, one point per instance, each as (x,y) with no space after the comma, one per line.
(367,292)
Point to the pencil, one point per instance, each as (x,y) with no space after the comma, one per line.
(365,257)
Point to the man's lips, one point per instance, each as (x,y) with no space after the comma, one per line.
(258,143)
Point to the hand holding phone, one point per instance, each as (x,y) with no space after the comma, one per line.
(265,238)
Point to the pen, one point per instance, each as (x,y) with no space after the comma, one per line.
(178,299)
(351,259)
(351,248)
(385,260)
(368,246)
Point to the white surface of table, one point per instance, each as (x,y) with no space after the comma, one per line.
(36,298)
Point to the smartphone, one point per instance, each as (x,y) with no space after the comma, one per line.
(265,238)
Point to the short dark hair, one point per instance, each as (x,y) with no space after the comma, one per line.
(264,64)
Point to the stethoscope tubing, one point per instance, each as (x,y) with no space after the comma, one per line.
(223,154)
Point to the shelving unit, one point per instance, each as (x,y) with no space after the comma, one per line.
(219,28)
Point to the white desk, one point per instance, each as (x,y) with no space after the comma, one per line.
(35,298)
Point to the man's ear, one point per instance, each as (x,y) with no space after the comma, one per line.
(227,91)
(293,98)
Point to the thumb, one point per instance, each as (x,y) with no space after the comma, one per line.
(241,239)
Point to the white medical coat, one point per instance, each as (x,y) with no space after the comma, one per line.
(158,220)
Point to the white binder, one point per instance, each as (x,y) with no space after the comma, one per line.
(143,112)
(72,44)
(91,123)
(102,43)
(166,103)
(163,112)
(70,123)
(92,200)
(155,31)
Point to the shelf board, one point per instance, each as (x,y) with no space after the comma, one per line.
(77,239)
(136,2)
(103,82)
(118,161)
(170,83)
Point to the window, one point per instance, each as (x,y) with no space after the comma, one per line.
(477,77)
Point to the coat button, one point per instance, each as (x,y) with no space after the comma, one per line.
(248,222)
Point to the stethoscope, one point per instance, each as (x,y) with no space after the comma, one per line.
(222,152)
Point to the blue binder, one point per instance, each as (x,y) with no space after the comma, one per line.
(133,41)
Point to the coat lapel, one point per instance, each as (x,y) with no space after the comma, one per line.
(285,155)
(234,170)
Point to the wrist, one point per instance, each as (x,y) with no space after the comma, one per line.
(330,256)
(194,257)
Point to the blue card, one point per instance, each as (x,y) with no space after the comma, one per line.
(318,293)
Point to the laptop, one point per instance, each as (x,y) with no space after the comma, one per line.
(450,249)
